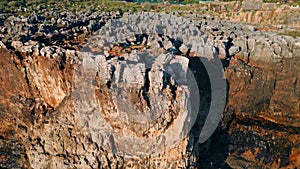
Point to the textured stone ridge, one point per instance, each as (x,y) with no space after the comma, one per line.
(41,115)
(136,104)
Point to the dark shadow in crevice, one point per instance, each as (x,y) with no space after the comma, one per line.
(212,153)
(145,88)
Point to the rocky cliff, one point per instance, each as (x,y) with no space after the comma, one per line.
(101,90)
(257,12)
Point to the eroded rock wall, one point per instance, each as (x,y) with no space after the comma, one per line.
(41,127)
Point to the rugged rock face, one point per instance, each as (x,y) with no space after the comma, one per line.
(257,12)
(70,105)
(265,127)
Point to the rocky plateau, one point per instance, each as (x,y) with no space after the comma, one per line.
(115,90)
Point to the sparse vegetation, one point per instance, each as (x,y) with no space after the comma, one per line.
(297,2)
(293,33)
(272,1)
(23,7)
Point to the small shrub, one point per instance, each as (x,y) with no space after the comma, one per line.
(13,4)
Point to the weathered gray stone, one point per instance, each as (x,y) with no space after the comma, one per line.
(17,44)
(251,5)
(234,50)
(183,48)
(2,45)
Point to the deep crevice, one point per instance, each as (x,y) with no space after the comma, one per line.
(145,88)
(167,82)
(212,153)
